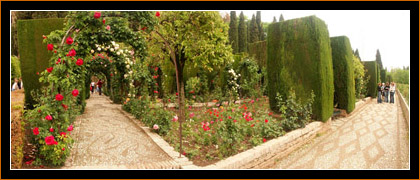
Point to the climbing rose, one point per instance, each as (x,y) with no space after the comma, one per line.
(157,14)
(97,15)
(51,129)
(72,52)
(103,20)
(79,62)
(155,127)
(75,92)
(50,47)
(59,97)
(48,117)
(50,69)
(69,40)
(70,128)
(49,140)
(36,131)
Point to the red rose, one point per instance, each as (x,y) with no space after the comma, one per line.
(48,117)
(50,69)
(49,140)
(157,14)
(79,62)
(51,129)
(39,110)
(143,28)
(156,92)
(44,37)
(69,41)
(177,94)
(72,52)
(70,128)
(103,20)
(28,162)
(264,140)
(64,106)
(36,131)
(97,15)
(111,74)
(234,120)
(55,51)
(75,92)
(63,149)
(266,121)
(50,47)
(156,68)
(62,134)
(59,97)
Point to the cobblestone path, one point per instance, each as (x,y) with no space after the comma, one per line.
(106,138)
(374,137)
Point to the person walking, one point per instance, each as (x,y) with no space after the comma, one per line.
(382,92)
(92,87)
(392,92)
(386,89)
(379,93)
(15,85)
(99,84)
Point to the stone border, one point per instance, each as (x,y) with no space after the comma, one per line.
(405,108)
(361,103)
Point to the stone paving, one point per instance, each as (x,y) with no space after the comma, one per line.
(374,137)
(106,138)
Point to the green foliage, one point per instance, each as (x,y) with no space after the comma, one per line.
(196,86)
(371,71)
(360,79)
(405,91)
(399,75)
(260,28)
(383,75)
(233,32)
(299,58)
(379,60)
(15,68)
(258,51)
(34,56)
(249,78)
(295,113)
(242,34)
(344,88)
(253,31)
(281,19)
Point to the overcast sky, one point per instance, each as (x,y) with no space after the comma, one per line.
(388,31)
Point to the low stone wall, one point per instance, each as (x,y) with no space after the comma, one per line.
(263,156)
(404,107)
(361,103)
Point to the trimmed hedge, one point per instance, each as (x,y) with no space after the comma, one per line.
(344,88)
(258,51)
(299,58)
(383,75)
(34,56)
(371,68)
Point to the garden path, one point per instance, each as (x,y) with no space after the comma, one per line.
(106,139)
(374,137)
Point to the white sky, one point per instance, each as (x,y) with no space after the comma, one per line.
(388,31)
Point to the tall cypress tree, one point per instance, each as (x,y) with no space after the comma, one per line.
(233,32)
(253,30)
(281,18)
(356,53)
(274,19)
(242,34)
(259,25)
(378,59)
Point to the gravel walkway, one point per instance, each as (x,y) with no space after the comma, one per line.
(375,137)
(106,138)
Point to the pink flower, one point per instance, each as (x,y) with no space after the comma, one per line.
(49,140)
(155,127)
(234,120)
(97,15)
(191,115)
(230,117)
(36,131)
(252,101)
(108,27)
(51,129)
(75,92)
(211,122)
(175,119)
(70,128)
(48,117)
(189,107)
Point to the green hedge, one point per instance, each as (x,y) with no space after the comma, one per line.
(299,58)
(34,56)
(371,68)
(383,75)
(258,52)
(15,68)
(344,88)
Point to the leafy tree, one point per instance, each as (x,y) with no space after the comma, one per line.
(259,25)
(196,37)
(253,30)
(359,77)
(378,60)
(281,18)
(233,32)
(274,19)
(242,34)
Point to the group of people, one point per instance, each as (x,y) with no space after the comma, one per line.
(18,84)
(385,90)
(98,86)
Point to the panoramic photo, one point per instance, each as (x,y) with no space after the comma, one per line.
(250,89)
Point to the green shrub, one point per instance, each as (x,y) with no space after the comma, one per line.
(299,58)
(383,75)
(372,84)
(249,78)
(34,56)
(342,56)
(359,78)
(258,51)
(15,68)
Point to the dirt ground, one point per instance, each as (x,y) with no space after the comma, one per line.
(17,132)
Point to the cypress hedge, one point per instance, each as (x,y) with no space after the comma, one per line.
(372,68)
(344,88)
(258,51)
(299,58)
(34,56)
(383,75)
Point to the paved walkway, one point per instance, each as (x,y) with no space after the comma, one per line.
(374,137)
(106,138)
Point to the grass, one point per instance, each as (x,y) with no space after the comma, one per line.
(405,92)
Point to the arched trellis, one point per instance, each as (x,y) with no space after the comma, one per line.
(69,71)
